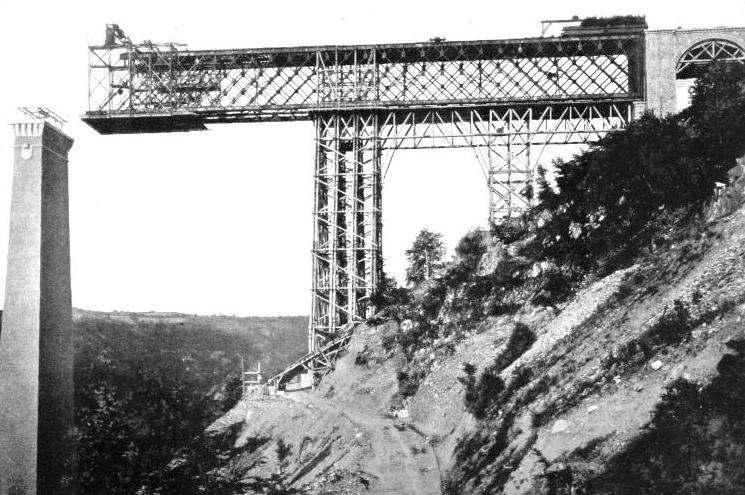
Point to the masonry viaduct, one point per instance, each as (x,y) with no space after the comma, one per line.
(670,54)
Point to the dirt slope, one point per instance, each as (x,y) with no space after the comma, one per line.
(597,377)
(341,438)
(581,396)
(396,458)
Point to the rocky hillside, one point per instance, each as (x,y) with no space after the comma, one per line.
(596,346)
(611,386)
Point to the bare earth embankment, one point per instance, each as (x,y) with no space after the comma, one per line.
(583,394)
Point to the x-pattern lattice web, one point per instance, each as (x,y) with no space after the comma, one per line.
(538,125)
(702,54)
(510,79)
(259,84)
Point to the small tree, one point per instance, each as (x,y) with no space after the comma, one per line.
(388,293)
(425,257)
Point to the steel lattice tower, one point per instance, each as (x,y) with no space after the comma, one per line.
(507,99)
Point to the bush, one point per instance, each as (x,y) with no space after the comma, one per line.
(471,248)
(614,21)
(554,286)
(521,339)
(481,395)
(673,326)
(609,197)
(485,393)
(408,383)
(388,293)
(509,230)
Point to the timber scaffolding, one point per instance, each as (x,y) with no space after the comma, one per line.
(505,99)
(317,363)
(251,380)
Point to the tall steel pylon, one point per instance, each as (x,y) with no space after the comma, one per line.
(347,221)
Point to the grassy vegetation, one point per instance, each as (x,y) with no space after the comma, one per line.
(614,21)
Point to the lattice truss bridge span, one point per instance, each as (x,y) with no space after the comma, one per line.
(506,99)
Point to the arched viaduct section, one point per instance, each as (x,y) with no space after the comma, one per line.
(663,50)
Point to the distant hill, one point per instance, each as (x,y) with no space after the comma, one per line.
(147,384)
(275,341)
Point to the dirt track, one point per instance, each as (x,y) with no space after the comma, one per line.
(400,460)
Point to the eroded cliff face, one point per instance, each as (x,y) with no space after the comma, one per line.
(637,367)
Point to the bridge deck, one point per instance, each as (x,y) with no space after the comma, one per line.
(157,88)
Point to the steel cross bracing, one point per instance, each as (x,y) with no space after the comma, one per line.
(507,99)
(318,361)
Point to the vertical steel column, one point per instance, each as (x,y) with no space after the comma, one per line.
(319,250)
(374,245)
(347,249)
(355,227)
(510,177)
(510,171)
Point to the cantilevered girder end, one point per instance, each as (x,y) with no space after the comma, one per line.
(140,124)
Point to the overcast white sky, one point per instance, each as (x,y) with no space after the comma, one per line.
(198,222)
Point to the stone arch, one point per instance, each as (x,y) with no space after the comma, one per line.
(695,59)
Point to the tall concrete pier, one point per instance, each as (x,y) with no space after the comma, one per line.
(36,351)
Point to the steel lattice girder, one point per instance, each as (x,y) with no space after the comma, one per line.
(151,88)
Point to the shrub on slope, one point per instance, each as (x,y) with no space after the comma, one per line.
(612,199)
